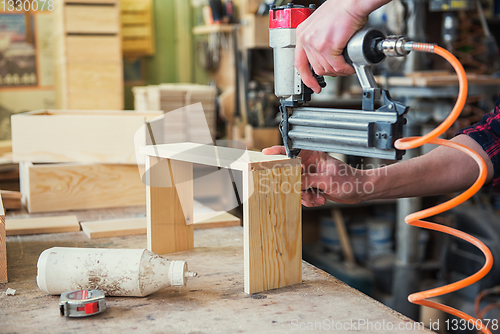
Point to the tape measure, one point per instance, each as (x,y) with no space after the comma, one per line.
(82,303)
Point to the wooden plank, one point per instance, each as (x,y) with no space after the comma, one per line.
(3,245)
(85,19)
(114,227)
(41,225)
(169,208)
(214,220)
(135,226)
(90,48)
(89,136)
(60,187)
(272,228)
(11,199)
(219,156)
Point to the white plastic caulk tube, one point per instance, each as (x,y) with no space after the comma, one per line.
(118,272)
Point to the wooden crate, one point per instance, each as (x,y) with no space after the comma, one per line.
(77,136)
(88,64)
(137,28)
(61,187)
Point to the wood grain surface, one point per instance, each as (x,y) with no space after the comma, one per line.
(60,187)
(41,225)
(169,208)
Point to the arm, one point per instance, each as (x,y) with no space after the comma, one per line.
(323,36)
(440,171)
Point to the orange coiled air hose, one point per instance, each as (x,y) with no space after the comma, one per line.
(415,219)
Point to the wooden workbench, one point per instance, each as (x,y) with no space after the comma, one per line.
(213,302)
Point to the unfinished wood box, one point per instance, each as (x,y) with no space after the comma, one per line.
(271,208)
(137,28)
(66,186)
(88,58)
(77,136)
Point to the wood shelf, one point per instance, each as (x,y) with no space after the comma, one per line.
(213,28)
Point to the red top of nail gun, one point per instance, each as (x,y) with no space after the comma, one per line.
(288,17)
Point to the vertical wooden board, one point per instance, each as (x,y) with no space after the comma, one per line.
(61,187)
(168,230)
(3,245)
(272,228)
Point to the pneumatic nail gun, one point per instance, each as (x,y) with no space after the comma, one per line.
(368,132)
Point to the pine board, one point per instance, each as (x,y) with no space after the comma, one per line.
(169,208)
(272,228)
(134,226)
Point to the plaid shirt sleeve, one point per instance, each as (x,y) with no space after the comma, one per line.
(487,133)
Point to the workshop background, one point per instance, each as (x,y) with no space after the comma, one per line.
(160,55)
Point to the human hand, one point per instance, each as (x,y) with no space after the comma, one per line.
(322,37)
(324,177)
